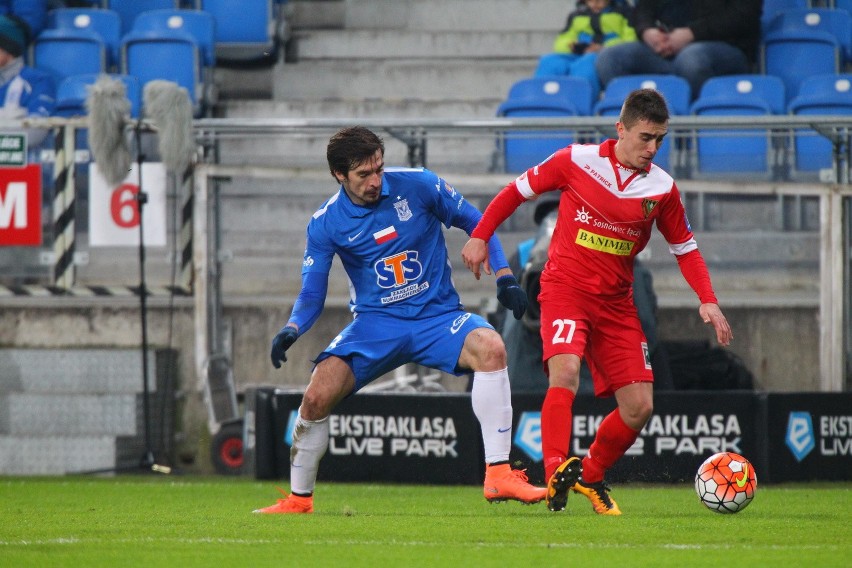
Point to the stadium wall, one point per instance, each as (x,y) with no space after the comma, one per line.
(67,323)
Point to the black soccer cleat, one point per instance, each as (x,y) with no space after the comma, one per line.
(565,477)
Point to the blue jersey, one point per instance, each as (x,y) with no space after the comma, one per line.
(393,251)
(31,92)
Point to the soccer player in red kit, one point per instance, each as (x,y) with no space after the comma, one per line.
(611,196)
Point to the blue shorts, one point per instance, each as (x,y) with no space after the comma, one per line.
(375,344)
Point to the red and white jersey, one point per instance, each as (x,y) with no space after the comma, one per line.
(606,214)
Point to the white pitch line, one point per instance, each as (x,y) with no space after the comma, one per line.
(73,541)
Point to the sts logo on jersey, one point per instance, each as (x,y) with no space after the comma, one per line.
(398,269)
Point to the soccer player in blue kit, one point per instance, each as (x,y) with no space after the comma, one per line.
(385,225)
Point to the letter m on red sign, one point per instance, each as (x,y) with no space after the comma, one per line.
(20,206)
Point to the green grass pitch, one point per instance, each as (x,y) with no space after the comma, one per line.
(183,521)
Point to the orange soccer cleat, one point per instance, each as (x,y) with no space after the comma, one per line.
(291,504)
(503,483)
(598,494)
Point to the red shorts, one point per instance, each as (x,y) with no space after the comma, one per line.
(606,331)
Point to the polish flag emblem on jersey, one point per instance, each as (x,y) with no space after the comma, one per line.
(385,235)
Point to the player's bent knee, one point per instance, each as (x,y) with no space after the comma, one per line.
(314,407)
(319,401)
(487,350)
(565,380)
(636,415)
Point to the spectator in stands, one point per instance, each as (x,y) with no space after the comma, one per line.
(33,12)
(593,25)
(696,40)
(24,91)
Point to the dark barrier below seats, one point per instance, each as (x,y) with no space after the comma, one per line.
(435,438)
(810,436)
(403,438)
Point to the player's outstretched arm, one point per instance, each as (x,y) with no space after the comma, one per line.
(712,314)
(475,256)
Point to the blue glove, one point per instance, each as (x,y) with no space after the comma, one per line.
(281,343)
(509,294)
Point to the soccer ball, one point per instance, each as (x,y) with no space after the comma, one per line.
(726,482)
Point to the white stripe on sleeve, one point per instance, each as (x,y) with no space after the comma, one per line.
(683,248)
(523,185)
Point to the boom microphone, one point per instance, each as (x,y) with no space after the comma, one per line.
(108,110)
(168,107)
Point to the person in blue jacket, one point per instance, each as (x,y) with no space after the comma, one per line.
(24,91)
(386,226)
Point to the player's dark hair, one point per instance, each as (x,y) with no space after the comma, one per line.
(351,146)
(644,104)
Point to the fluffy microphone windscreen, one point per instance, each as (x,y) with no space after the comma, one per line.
(168,107)
(108,110)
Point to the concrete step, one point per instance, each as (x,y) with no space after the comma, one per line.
(232,83)
(482,107)
(120,271)
(68,415)
(393,79)
(416,44)
(74,371)
(455,15)
(747,250)
(75,410)
(313,14)
(55,455)
(472,154)
(449,152)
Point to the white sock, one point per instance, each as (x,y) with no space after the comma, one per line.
(491,398)
(310,441)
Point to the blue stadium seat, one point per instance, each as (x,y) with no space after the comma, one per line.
(772,8)
(195,23)
(200,25)
(72,92)
(244,30)
(801,43)
(69,51)
(828,20)
(674,88)
(129,9)
(542,96)
(106,23)
(172,56)
(822,94)
(843,5)
(732,152)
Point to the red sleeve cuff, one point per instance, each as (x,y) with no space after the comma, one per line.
(695,272)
